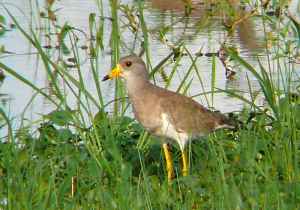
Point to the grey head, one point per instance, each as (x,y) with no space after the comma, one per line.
(133,68)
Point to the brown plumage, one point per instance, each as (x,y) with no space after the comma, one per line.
(185,114)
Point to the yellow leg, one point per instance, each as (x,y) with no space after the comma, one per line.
(169,162)
(185,165)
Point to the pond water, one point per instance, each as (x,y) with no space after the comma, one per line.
(202,30)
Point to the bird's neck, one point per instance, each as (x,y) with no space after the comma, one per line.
(137,86)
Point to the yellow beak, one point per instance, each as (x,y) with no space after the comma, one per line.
(115,72)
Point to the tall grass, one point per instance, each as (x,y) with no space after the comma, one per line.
(117,165)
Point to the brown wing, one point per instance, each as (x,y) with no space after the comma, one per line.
(187,115)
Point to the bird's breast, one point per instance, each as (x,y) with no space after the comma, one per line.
(146,112)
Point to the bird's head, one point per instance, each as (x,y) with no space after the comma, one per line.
(128,67)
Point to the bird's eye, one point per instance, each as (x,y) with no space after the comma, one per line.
(128,63)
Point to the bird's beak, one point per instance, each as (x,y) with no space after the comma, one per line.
(114,73)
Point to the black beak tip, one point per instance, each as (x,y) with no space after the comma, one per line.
(106,77)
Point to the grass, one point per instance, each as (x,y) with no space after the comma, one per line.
(114,164)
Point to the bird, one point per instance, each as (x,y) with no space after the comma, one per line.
(171,116)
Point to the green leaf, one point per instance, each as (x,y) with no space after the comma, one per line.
(62,35)
(92,20)
(2,25)
(60,117)
(2,19)
(64,135)
(65,49)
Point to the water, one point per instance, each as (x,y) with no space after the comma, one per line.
(203,30)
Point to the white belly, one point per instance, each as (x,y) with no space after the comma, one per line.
(169,131)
